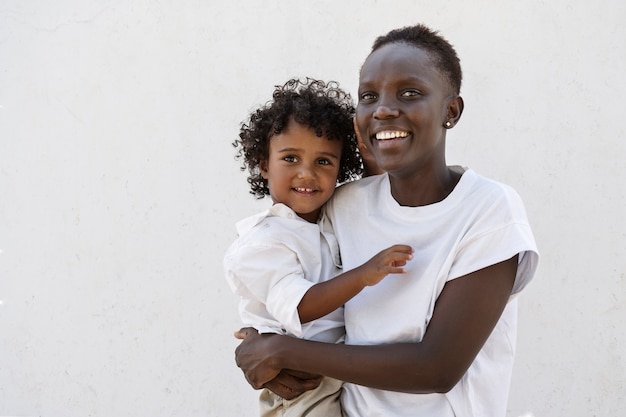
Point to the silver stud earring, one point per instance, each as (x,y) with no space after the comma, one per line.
(448,124)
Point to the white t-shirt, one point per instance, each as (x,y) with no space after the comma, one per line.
(482,222)
(277,257)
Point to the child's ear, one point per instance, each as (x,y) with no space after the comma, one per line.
(263,168)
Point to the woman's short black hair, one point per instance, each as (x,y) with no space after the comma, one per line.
(323,107)
(440,50)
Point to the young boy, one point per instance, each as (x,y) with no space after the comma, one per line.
(285,264)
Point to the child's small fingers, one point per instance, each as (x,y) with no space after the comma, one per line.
(404,248)
(403,256)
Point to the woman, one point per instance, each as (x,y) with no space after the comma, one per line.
(440,339)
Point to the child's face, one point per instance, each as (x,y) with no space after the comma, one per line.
(302,169)
(402,108)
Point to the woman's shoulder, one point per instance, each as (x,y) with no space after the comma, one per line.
(363,185)
(484,187)
(491,200)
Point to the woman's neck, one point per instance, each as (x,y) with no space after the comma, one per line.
(426,187)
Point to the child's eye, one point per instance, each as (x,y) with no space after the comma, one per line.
(289,158)
(411,93)
(324,161)
(367,96)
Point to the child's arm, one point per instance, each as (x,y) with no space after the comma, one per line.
(327,296)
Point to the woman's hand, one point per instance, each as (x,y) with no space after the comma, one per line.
(290,384)
(251,358)
(254,357)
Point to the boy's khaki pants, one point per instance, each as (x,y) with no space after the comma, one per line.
(323,401)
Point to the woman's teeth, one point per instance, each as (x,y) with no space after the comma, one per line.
(388,134)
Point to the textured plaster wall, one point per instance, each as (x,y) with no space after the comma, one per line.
(119,191)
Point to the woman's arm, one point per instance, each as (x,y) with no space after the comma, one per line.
(465,314)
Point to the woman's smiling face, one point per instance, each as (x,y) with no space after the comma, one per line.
(402,107)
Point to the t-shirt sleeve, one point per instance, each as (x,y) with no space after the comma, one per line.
(497,246)
(272,275)
(501,232)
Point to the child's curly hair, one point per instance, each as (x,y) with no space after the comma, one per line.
(323,107)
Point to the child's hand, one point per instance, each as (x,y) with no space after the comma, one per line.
(388,261)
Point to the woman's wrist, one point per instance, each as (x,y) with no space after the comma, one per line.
(280,351)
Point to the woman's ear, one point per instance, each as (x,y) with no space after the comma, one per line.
(455,109)
(263,168)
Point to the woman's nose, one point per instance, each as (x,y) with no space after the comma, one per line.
(386,109)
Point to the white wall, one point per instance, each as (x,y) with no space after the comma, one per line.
(119,191)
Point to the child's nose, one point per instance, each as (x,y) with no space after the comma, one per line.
(306,171)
